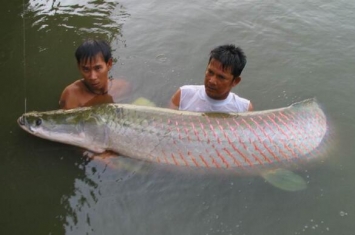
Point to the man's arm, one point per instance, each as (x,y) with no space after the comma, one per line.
(175,100)
(250,108)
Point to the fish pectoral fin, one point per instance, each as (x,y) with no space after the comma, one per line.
(284,179)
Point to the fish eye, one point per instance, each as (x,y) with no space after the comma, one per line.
(38,122)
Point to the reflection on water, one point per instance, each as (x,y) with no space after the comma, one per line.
(102,193)
(102,17)
(124,196)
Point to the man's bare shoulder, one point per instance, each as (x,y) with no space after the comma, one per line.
(74,87)
(71,95)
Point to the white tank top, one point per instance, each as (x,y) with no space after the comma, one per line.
(194,98)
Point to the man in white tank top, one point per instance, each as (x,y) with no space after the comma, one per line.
(223,71)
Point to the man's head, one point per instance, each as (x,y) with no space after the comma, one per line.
(90,48)
(94,63)
(230,57)
(223,71)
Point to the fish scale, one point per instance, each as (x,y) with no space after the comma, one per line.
(181,138)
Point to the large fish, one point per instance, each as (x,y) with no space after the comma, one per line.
(181,138)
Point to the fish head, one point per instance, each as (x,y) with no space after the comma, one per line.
(75,127)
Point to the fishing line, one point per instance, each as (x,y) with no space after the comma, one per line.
(24,54)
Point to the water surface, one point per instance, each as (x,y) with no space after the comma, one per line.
(296,50)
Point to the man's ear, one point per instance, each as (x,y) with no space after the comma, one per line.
(236,81)
(109,63)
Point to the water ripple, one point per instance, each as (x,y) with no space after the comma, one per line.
(82,16)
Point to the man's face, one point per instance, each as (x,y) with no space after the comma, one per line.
(219,82)
(95,72)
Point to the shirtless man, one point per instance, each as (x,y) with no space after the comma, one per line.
(223,71)
(94,62)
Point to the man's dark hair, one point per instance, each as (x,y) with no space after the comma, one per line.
(230,57)
(90,48)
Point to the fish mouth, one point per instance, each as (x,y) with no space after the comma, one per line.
(21,121)
(23,124)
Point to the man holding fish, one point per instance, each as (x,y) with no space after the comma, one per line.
(222,74)
(246,141)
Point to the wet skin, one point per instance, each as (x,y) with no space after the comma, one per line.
(94,72)
(95,87)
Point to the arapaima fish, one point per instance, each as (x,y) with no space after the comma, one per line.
(181,138)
